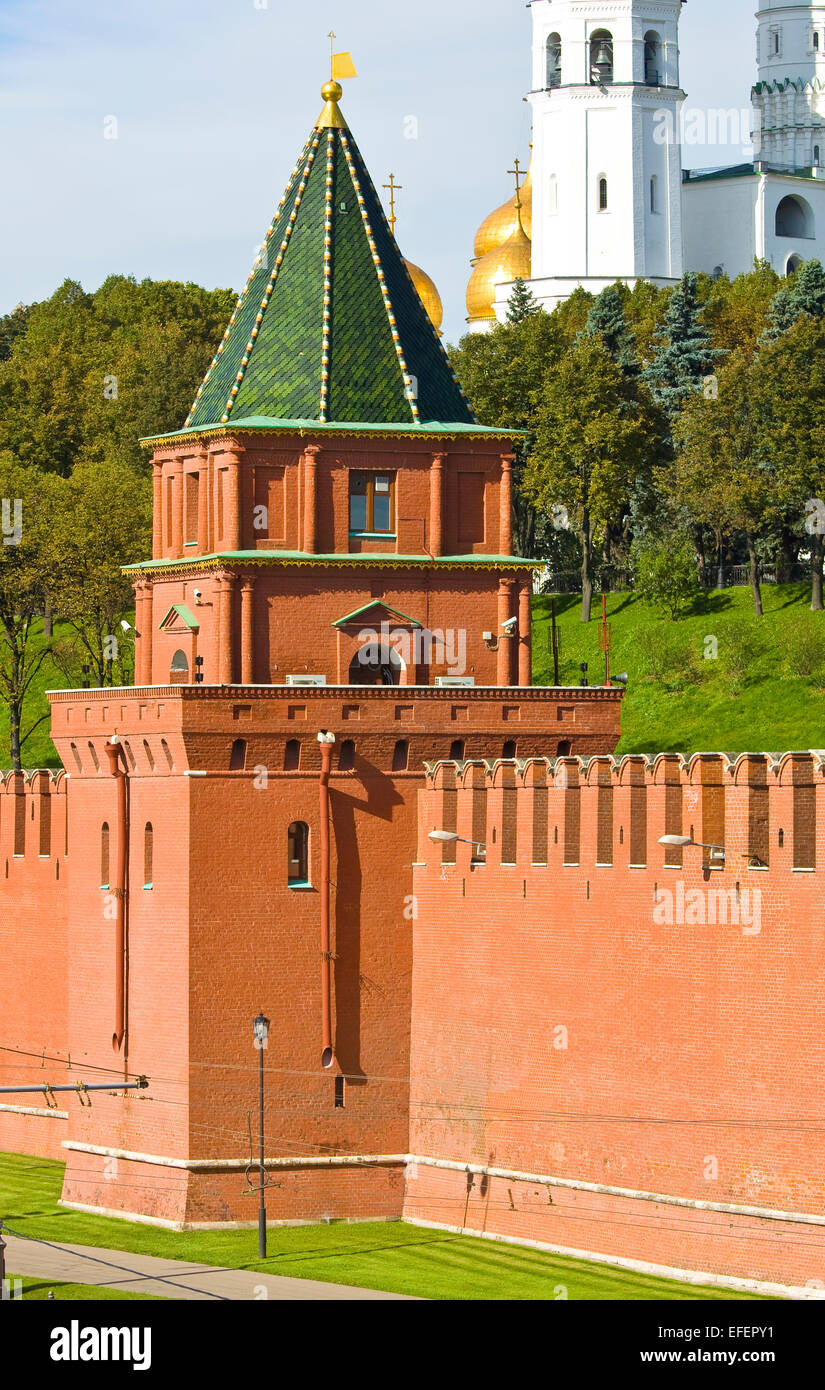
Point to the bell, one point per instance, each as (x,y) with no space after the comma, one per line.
(603,59)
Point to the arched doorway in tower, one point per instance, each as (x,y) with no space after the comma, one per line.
(179,669)
(794,262)
(377,663)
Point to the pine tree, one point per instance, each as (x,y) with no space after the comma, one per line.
(522,303)
(805,295)
(607,318)
(684,355)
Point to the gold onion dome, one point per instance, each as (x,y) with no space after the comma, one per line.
(428,294)
(501,224)
(499,267)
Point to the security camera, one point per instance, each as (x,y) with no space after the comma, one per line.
(198,595)
(509,626)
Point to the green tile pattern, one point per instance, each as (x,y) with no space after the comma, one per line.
(281,379)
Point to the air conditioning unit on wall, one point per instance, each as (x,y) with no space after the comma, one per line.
(456,682)
(306,680)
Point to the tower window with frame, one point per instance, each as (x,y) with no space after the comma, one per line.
(775,42)
(192,507)
(372,503)
(298,855)
(603,194)
(654,194)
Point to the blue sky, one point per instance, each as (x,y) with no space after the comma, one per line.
(214,98)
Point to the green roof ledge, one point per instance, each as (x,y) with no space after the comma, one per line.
(330,332)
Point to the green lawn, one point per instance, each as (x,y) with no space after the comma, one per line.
(705,707)
(38,1290)
(380,1255)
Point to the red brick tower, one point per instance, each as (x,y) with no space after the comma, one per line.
(332,557)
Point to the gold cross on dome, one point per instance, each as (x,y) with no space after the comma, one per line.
(393,188)
(517,172)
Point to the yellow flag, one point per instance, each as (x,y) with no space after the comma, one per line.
(342,66)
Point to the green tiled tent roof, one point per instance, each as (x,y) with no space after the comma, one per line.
(330,326)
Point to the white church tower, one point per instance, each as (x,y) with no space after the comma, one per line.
(607,197)
(772,209)
(789,129)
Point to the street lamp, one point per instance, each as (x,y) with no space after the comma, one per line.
(260,1027)
(717,852)
(448,837)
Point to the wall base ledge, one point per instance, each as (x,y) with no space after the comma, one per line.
(682,1276)
(184,1226)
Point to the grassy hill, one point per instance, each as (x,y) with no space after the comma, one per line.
(717,679)
(763,689)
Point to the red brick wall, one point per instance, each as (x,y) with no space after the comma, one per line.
(562,1027)
(33,952)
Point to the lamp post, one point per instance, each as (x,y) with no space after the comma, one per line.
(261,1029)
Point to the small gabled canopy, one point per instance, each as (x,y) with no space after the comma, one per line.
(359,614)
(183,615)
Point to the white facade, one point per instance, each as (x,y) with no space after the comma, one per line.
(610,200)
(773,210)
(606,192)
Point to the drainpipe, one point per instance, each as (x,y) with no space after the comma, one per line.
(326,741)
(118,771)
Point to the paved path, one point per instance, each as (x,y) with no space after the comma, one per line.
(65,1264)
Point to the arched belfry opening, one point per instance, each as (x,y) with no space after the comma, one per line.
(601,58)
(554,61)
(653,59)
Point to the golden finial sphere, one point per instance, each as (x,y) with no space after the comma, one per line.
(332,91)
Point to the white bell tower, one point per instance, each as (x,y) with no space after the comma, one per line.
(607,168)
(788,99)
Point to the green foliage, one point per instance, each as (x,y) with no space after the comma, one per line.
(522,303)
(665,572)
(670,656)
(89,374)
(607,320)
(684,354)
(804,296)
(802,647)
(739,651)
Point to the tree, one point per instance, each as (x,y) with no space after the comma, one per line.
(607,320)
(500,371)
(722,473)
(93,372)
(664,570)
(11,327)
(804,295)
(106,523)
(31,506)
(736,310)
(596,433)
(684,355)
(522,302)
(791,374)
